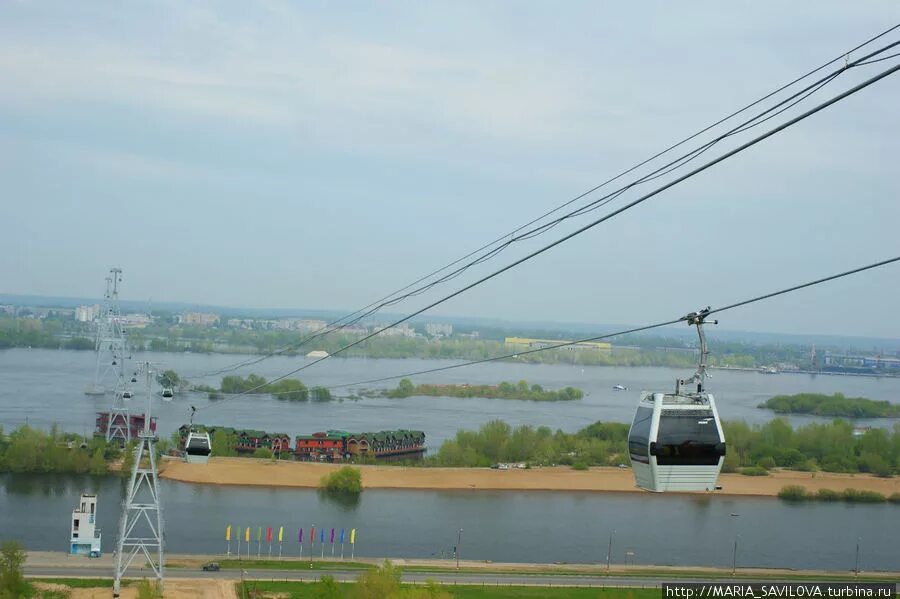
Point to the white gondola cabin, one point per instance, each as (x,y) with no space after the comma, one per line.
(676,442)
(197,447)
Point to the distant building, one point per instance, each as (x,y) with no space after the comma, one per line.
(84,537)
(434,329)
(135,321)
(526,343)
(354,329)
(401,330)
(87,313)
(860,363)
(200,319)
(311,325)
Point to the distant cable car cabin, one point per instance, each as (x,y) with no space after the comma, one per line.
(676,442)
(197,445)
(167,393)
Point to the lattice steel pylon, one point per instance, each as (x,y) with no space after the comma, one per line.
(141,530)
(110,341)
(111,356)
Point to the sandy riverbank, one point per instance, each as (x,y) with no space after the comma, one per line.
(264,473)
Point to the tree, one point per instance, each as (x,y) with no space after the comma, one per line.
(224,444)
(321,394)
(98,463)
(170,379)
(263,453)
(327,588)
(12,562)
(344,481)
(378,583)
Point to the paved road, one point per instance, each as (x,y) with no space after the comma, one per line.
(467,578)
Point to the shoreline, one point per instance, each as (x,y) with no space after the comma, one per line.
(251,472)
(187,561)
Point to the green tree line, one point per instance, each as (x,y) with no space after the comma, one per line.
(831,447)
(30,450)
(285,389)
(832,405)
(504,390)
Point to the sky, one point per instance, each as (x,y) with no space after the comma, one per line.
(320,155)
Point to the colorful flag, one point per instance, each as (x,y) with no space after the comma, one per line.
(300,536)
(321,535)
(332,536)
(247,534)
(312,535)
(269,534)
(353,537)
(228,533)
(342,536)
(280,534)
(259,534)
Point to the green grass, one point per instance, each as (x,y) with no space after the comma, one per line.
(559,570)
(79,583)
(271,564)
(306,590)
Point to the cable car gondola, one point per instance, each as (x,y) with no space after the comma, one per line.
(126,395)
(167,393)
(197,446)
(676,441)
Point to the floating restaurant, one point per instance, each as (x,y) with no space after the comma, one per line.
(328,446)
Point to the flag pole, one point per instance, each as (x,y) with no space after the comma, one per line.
(239,542)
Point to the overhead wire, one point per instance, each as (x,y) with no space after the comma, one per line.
(676,181)
(638,329)
(390,299)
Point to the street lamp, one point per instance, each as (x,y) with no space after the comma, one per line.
(458,543)
(734,555)
(609,550)
(734,552)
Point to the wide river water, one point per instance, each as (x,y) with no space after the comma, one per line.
(46,387)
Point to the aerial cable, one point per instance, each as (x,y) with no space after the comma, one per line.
(687,318)
(676,181)
(391,299)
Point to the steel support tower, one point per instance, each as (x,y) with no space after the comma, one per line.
(141,531)
(110,339)
(111,357)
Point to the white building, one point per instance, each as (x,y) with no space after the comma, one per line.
(202,319)
(401,330)
(85,536)
(135,321)
(434,329)
(87,313)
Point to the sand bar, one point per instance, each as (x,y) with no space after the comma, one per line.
(265,473)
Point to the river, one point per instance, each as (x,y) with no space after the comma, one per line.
(46,387)
(540,527)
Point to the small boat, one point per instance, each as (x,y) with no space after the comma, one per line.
(620,388)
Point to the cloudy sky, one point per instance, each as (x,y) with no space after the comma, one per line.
(287,154)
